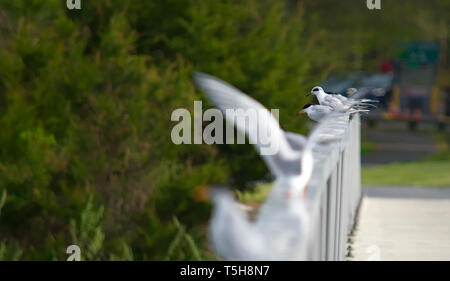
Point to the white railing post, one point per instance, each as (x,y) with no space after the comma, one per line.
(336,186)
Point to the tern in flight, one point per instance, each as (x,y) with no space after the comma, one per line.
(281,228)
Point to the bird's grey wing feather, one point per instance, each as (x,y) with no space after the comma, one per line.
(296,141)
(225,96)
(341,98)
(332,102)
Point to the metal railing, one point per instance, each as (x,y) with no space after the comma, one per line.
(334,193)
(314,227)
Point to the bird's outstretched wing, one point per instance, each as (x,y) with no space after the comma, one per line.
(296,141)
(227,97)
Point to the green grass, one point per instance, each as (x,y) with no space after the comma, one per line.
(433,170)
(420,173)
(255,195)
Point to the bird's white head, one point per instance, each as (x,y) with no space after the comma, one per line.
(306,108)
(315,91)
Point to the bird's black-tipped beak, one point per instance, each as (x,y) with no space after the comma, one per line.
(308,94)
(300,112)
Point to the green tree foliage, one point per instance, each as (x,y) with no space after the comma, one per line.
(86,232)
(86,99)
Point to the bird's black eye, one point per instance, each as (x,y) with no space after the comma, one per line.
(315,89)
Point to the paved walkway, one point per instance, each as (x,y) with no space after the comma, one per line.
(403,223)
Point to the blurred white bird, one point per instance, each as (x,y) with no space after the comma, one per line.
(281,228)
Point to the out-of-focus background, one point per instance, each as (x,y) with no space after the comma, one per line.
(86,98)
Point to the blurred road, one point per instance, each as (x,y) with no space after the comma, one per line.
(394,143)
(403,223)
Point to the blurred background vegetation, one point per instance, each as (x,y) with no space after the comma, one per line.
(86,98)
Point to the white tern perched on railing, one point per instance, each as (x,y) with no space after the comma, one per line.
(317,112)
(339,102)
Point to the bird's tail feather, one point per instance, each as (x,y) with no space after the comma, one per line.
(359,110)
(369,100)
